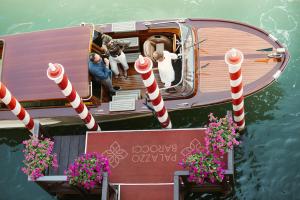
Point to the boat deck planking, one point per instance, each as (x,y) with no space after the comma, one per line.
(214,75)
(26,58)
(134,80)
(67,149)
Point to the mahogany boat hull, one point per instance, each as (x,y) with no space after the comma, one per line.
(210,74)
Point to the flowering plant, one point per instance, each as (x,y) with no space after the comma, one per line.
(38,156)
(221,134)
(86,171)
(203,165)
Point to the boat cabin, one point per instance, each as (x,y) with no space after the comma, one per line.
(171,36)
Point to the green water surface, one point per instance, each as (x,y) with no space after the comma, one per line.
(267,164)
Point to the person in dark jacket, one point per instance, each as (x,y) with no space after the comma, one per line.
(100,71)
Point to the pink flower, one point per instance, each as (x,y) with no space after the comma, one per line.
(205,163)
(35,149)
(87,170)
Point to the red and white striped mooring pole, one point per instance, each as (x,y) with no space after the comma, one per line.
(143,65)
(234,58)
(13,104)
(56,73)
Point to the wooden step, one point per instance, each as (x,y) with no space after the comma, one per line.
(127,96)
(129,92)
(122,105)
(132,57)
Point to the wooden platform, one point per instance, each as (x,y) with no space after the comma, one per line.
(143,162)
(67,149)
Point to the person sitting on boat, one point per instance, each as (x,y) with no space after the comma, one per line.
(101,40)
(165,68)
(100,71)
(116,54)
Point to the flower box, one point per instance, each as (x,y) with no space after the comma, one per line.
(60,187)
(182,186)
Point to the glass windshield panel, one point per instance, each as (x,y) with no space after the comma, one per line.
(1,56)
(187,42)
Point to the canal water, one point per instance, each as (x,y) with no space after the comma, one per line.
(267,164)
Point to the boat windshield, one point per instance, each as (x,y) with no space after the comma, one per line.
(1,56)
(185,86)
(187,51)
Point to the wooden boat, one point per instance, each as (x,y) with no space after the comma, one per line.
(201,75)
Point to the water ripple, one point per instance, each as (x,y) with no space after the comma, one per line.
(21,27)
(272,20)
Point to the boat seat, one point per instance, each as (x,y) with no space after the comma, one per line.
(157,43)
(133,41)
(129,92)
(122,105)
(125,96)
(132,57)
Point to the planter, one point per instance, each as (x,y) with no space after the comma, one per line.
(182,186)
(59,186)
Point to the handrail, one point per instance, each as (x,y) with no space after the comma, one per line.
(91,92)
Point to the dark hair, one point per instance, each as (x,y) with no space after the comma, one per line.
(92,57)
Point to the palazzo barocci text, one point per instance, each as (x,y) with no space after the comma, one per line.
(154,153)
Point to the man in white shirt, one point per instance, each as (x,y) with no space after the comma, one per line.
(165,68)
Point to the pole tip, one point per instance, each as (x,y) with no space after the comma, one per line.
(54,70)
(234,56)
(52,67)
(233,52)
(142,60)
(143,64)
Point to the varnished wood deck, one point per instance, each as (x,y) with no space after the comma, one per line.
(214,75)
(134,80)
(26,57)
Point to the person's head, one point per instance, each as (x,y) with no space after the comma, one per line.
(106,40)
(158,56)
(95,58)
(110,44)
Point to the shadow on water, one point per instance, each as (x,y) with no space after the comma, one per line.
(258,107)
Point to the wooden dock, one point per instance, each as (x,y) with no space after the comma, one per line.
(144,164)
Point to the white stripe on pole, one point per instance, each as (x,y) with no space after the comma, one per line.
(237,95)
(149,81)
(67,91)
(236,82)
(7,97)
(17,109)
(154,94)
(238,107)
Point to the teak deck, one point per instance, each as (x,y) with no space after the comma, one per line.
(219,40)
